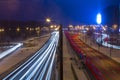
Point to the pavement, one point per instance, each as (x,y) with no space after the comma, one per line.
(22,54)
(110,52)
(67,72)
(68,56)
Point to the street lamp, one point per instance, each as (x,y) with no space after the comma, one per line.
(48,20)
(18,29)
(99,20)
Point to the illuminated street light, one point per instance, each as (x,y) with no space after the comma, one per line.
(55,26)
(18,29)
(27,28)
(51,26)
(48,20)
(0,30)
(115,26)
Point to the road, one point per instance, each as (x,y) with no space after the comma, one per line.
(40,65)
(104,67)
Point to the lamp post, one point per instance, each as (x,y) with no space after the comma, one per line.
(61,52)
(48,20)
(99,20)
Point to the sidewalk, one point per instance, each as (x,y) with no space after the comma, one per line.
(19,56)
(68,62)
(110,52)
(67,72)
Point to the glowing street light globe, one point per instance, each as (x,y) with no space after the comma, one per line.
(48,20)
(99,18)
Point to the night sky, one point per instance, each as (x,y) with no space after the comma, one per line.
(60,11)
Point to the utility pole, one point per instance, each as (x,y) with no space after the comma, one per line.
(61,53)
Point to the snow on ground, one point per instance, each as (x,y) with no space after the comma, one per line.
(105,43)
(9,51)
(21,54)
